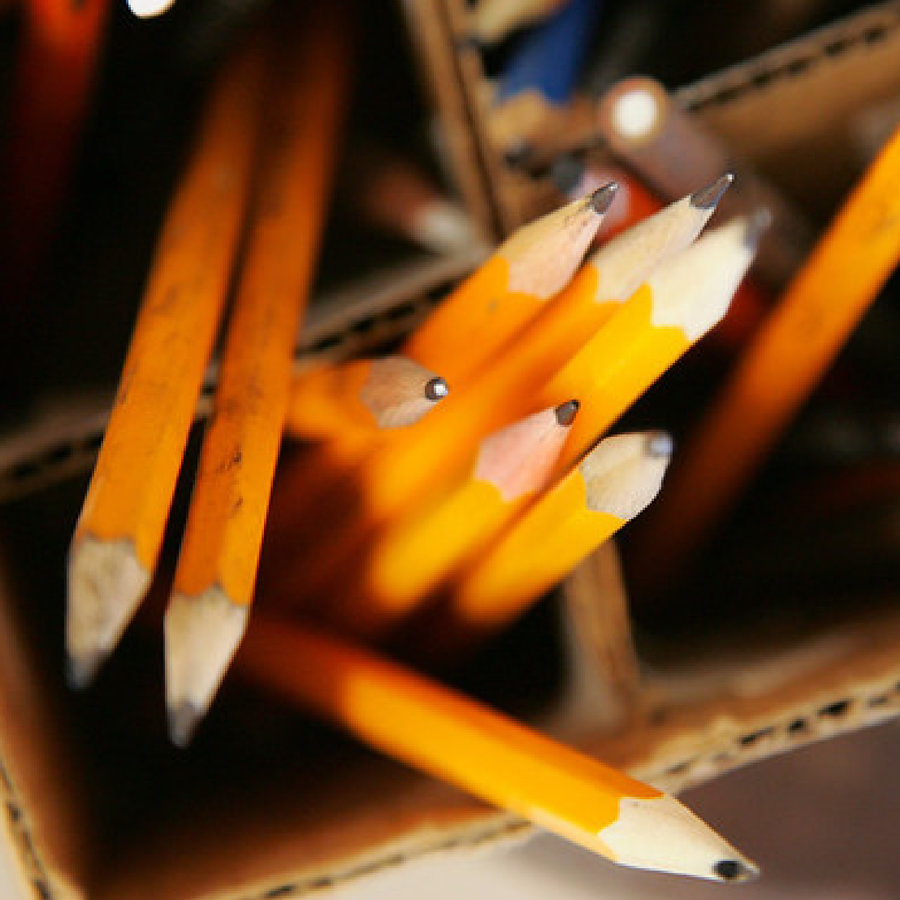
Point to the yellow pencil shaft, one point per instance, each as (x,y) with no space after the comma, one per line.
(538,550)
(438,731)
(613,370)
(230,498)
(134,479)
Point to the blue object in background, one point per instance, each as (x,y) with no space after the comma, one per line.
(550,57)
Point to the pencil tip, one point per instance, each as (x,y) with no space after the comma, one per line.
(436,389)
(757,224)
(734,870)
(708,197)
(81,670)
(518,156)
(602,198)
(565,412)
(183,720)
(566,173)
(660,444)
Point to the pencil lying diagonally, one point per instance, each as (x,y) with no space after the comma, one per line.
(609,487)
(679,302)
(779,369)
(118,536)
(445,734)
(214,578)
(412,555)
(511,287)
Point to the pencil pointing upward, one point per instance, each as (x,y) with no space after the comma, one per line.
(445,734)
(508,290)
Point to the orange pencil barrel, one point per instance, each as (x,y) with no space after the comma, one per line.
(219,555)
(119,533)
(781,366)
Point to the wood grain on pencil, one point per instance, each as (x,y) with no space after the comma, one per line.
(119,533)
(216,569)
(445,734)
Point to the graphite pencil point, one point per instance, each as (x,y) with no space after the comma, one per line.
(734,870)
(758,223)
(602,198)
(708,197)
(565,412)
(436,389)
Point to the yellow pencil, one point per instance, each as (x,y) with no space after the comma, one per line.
(504,293)
(780,368)
(216,571)
(413,554)
(119,533)
(445,734)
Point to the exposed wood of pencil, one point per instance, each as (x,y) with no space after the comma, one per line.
(451,737)
(415,553)
(781,367)
(55,70)
(679,303)
(216,570)
(118,536)
(515,283)
(610,486)
(342,409)
(660,321)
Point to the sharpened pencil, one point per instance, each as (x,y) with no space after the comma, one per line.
(118,536)
(609,487)
(216,571)
(513,286)
(445,734)
(411,556)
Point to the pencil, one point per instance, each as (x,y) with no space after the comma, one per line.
(340,410)
(540,77)
(562,340)
(515,283)
(679,303)
(214,578)
(55,69)
(118,536)
(451,737)
(609,487)
(782,365)
(412,555)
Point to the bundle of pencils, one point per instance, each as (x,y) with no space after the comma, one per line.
(452,483)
